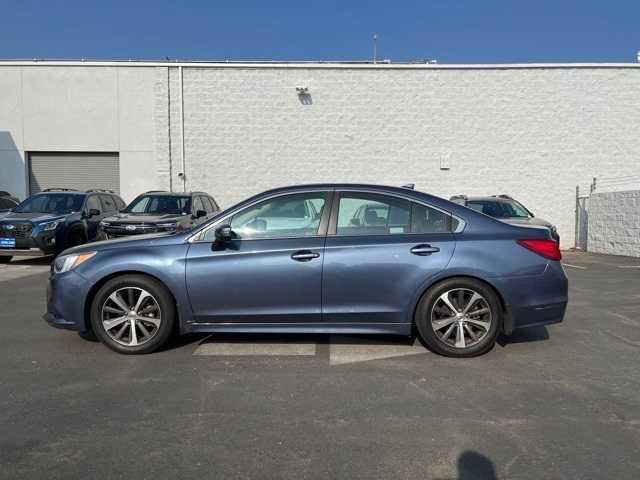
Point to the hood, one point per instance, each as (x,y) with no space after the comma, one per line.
(527,221)
(134,218)
(31,217)
(146,240)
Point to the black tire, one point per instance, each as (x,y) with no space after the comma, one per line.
(76,237)
(5,259)
(159,294)
(486,337)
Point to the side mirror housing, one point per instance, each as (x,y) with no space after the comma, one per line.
(224,234)
(201,213)
(94,212)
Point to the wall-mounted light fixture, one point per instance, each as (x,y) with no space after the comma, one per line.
(304,96)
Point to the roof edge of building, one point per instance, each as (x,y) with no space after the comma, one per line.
(305,64)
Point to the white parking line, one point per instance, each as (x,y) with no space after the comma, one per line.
(573,266)
(628,266)
(346,349)
(255,349)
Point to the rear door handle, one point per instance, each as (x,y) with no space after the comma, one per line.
(424,250)
(304,255)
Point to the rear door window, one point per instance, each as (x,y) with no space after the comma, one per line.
(372,214)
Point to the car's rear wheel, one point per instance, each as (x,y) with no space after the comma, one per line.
(5,259)
(459,317)
(133,314)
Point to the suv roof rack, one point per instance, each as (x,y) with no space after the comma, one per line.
(103,190)
(458,196)
(502,195)
(411,186)
(60,189)
(156,191)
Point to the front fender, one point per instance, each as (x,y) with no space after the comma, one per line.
(166,263)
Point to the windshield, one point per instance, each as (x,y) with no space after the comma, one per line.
(499,209)
(160,205)
(59,203)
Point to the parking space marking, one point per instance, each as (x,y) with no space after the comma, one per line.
(573,266)
(213,348)
(350,349)
(16,271)
(628,266)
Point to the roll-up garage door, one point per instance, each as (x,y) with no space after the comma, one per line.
(81,171)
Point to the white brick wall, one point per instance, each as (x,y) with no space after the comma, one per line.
(532,133)
(614,223)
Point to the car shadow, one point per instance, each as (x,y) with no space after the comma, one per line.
(526,335)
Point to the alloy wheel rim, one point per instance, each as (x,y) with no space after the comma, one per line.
(461,318)
(131,316)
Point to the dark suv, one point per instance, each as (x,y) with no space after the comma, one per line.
(506,209)
(48,222)
(159,211)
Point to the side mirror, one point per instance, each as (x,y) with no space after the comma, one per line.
(94,212)
(201,213)
(224,234)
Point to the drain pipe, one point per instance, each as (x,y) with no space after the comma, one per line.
(183,173)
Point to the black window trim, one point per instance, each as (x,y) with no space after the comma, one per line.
(337,195)
(327,209)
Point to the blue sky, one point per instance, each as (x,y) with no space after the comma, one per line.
(470,31)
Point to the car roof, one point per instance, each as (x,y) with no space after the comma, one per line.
(62,192)
(163,193)
(489,198)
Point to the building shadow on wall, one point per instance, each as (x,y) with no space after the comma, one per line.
(12,172)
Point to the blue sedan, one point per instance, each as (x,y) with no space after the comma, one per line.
(357,259)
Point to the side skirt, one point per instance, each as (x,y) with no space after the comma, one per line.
(344,328)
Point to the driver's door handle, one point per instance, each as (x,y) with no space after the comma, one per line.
(304,255)
(424,249)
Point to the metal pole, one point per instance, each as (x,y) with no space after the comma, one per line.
(184,174)
(577,229)
(375,48)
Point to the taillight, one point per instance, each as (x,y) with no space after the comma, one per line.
(547,248)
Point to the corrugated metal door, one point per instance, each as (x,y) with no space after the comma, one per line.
(81,171)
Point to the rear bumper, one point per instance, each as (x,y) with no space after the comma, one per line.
(66,295)
(535,300)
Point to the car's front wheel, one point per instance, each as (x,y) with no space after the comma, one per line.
(459,317)
(133,314)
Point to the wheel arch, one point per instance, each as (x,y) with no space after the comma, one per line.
(507,321)
(96,286)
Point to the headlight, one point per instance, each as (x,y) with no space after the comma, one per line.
(65,263)
(104,224)
(50,225)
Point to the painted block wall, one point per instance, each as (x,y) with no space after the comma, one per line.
(614,223)
(531,133)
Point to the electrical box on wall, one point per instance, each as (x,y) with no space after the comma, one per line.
(444,163)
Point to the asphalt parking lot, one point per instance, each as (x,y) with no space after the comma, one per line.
(556,402)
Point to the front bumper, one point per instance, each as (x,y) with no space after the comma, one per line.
(66,294)
(34,245)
